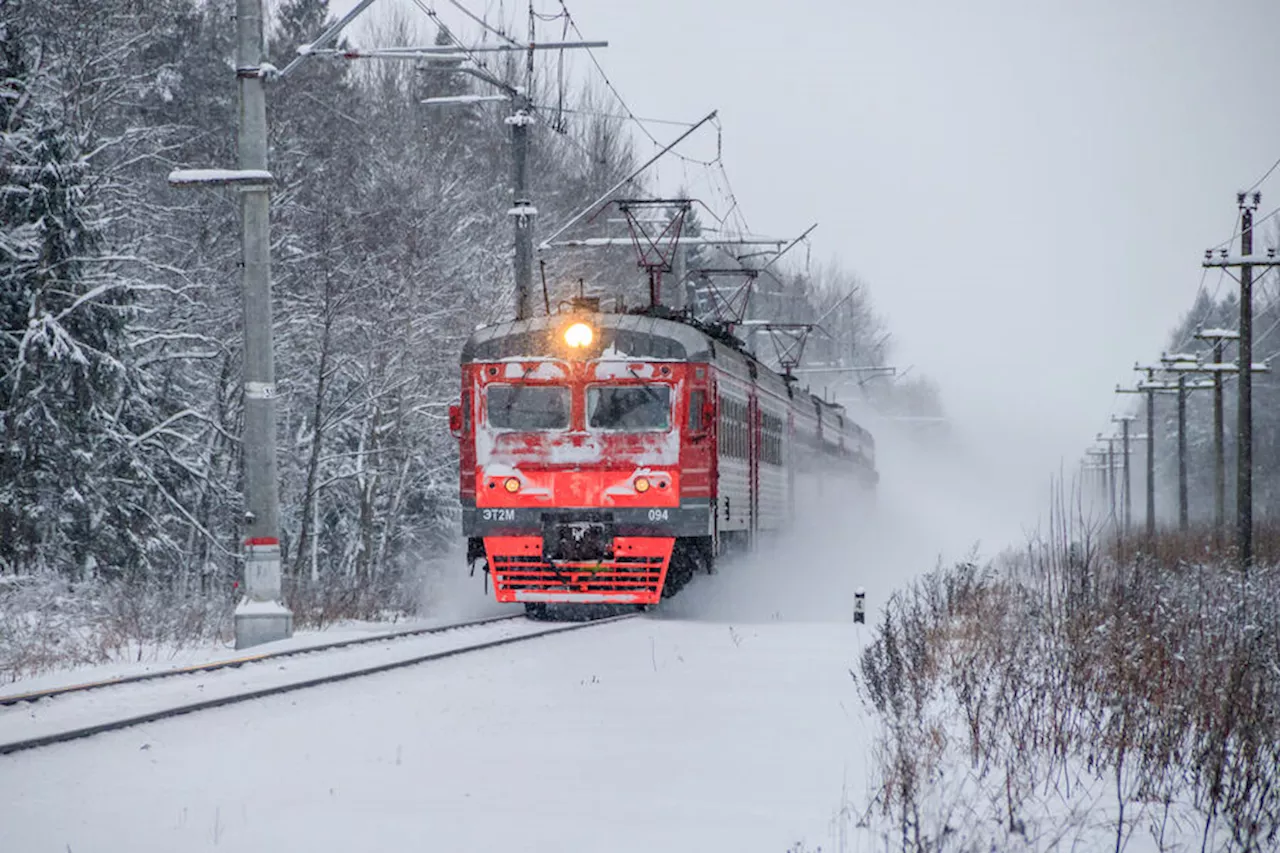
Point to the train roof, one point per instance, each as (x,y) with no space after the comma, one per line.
(631,336)
(626,335)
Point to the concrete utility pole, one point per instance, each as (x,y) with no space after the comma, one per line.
(522,212)
(1244,450)
(261,616)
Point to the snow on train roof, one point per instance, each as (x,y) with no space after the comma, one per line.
(618,335)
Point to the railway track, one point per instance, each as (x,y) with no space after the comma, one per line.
(46,717)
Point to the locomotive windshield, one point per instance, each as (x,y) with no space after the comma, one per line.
(528,407)
(629,408)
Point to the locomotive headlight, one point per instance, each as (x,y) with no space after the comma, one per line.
(579,335)
(642,484)
(511,484)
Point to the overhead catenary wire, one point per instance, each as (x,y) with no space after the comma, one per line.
(717,161)
(729,218)
(485,24)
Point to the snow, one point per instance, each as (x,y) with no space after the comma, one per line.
(121,702)
(1218,333)
(727,721)
(547,371)
(1240,260)
(219,176)
(261,608)
(641,735)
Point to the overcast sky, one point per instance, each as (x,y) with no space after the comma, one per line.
(1027,186)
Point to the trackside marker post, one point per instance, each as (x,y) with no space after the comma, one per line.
(860,606)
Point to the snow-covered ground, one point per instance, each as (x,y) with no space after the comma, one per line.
(648,734)
(156,660)
(728,720)
(113,704)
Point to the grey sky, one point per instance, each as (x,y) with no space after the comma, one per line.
(1026,186)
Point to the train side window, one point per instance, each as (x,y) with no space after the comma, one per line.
(739,432)
(696,402)
(722,438)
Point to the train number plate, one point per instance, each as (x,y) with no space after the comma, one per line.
(498,514)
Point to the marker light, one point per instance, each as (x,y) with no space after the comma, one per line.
(642,484)
(511,485)
(579,335)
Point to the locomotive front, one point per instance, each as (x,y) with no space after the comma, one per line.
(576,432)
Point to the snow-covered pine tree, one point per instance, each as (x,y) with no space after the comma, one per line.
(64,375)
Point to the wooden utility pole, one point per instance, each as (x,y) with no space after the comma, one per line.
(1219,338)
(1179,387)
(1102,465)
(1219,370)
(1144,388)
(1245,261)
(1110,485)
(1126,496)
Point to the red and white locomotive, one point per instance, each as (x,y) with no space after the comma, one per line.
(606,458)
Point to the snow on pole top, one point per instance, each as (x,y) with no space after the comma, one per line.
(252,178)
(1227,334)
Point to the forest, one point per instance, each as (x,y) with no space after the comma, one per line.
(121,316)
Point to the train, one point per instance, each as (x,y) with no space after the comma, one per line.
(608,458)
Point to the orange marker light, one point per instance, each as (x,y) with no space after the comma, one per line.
(511,485)
(642,484)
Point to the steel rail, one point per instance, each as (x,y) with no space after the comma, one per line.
(231,663)
(260,693)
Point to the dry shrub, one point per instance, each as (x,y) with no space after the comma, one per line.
(1074,694)
(47,622)
(333,598)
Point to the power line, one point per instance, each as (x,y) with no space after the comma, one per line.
(1258,182)
(1236,231)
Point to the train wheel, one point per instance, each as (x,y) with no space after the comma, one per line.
(684,562)
(536,610)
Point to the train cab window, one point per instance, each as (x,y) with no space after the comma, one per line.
(528,407)
(629,408)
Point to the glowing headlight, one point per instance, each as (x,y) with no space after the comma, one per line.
(511,485)
(579,335)
(642,484)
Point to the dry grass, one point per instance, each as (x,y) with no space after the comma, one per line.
(48,623)
(1198,544)
(1075,668)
